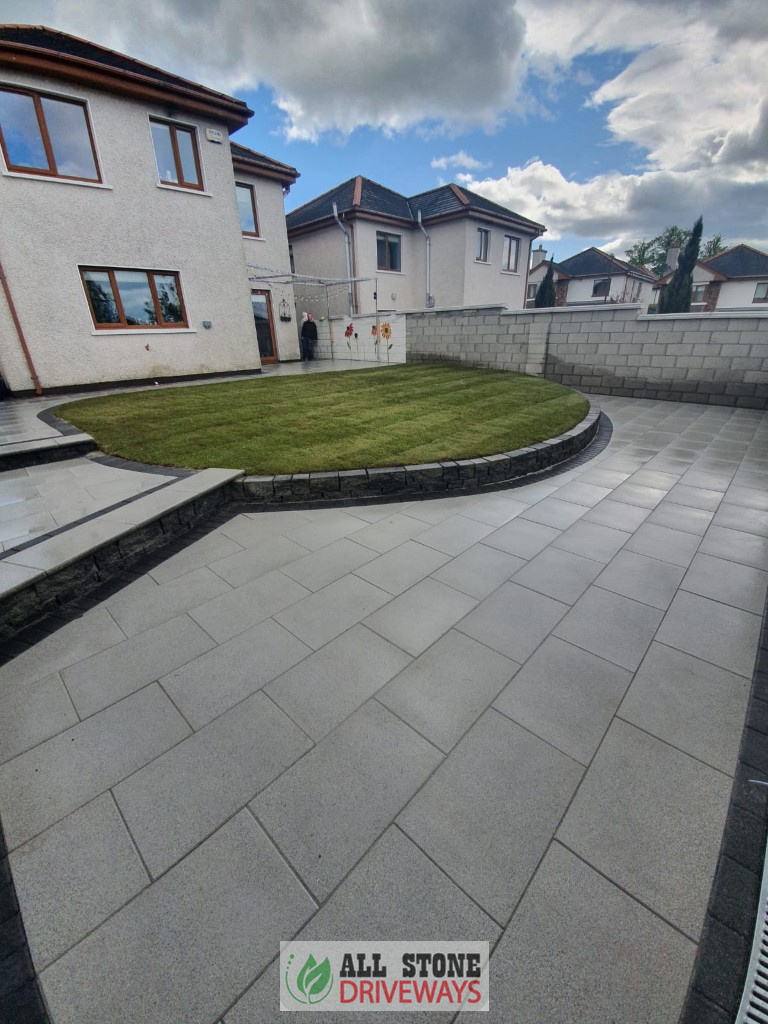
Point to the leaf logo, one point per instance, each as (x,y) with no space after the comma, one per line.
(314,982)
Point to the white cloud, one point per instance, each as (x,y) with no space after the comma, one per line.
(332,64)
(690,95)
(460,159)
(691,98)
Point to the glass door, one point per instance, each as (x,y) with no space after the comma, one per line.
(265,327)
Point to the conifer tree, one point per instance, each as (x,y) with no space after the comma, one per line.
(675,296)
(546,294)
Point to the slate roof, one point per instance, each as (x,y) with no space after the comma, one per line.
(361,193)
(259,160)
(738,261)
(596,263)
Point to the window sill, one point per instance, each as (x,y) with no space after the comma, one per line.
(511,273)
(483,263)
(142,331)
(186,191)
(382,270)
(253,238)
(58,181)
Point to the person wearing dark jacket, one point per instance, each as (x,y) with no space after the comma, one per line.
(308,338)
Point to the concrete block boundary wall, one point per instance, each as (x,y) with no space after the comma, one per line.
(709,358)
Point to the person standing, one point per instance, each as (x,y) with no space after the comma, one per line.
(308,338)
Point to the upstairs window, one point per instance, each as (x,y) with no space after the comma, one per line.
(246,204)
(483,245)
(532,289)
(387,251)
(761,292)
(509,253)
(176,154)
(46,135)
(601,287)
(697,293)
(133,298)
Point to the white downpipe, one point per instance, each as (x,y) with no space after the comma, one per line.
(428,302)
(348,254)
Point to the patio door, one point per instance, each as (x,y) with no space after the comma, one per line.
(265,326)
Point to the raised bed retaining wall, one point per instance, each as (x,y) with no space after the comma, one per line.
(711,358)
(345,486)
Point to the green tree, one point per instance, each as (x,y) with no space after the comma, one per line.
(675,296)
(712,247)
(545,293)
(642,253)
(652,253)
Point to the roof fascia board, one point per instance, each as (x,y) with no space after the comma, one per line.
(234,113)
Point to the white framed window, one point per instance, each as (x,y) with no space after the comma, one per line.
(483,245)
(532,289)
(761,292)
(387,251)
(697,293)
(509,253)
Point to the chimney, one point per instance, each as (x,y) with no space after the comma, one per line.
(538,256)
(673,255)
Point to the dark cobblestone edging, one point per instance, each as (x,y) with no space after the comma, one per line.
(430,479)
(44,596)
(724,950)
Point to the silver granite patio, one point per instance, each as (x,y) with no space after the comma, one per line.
(511,717)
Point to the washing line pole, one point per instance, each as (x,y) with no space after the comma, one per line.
(330,322)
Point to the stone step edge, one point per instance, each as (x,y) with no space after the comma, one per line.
(38,579)
(41,451)
(448,476)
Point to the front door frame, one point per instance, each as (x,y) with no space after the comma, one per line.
(268,296)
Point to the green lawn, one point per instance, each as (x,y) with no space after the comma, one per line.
(373,417)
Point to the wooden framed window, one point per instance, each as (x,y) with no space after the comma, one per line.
(532,289)
(601,286)
(509,253)
(697,293)
(176,154)
(387,251)
(47,135)
(134,298)
(761,292)
(483,246)
(246,204)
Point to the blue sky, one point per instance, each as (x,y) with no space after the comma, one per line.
(606,120)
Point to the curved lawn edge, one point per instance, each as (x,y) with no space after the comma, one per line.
(448,476)
(329,422)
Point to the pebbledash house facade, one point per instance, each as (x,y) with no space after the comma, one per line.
(129,223)
(447,247)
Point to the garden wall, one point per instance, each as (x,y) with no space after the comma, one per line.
(715,358)
(332,342)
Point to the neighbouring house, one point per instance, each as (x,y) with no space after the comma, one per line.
(591,277)
(736,279)
(128,222)
(444,247)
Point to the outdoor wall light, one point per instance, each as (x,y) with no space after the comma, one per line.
(285,311)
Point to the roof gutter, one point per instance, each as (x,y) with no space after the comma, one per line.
(348,254)
(430,299)
(20,332)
